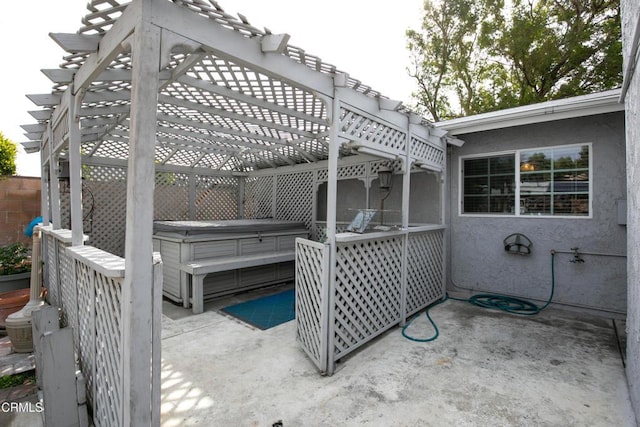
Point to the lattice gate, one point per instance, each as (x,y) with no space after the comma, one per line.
(312,281)
(425,274)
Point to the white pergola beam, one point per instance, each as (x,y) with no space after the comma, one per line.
(182,144)
(65,75)
(254,147)
(33,136)
(258,155)
(34,128)
(107,110)
(195,146)
(41,115)
(59,75)
(110,46)
(45,99)
(354,100)
(274,43)
(97,122)
(121,163)
(107,96)
(77,43)
(238,48)
(218,129)
(165,99)
(31,146)
(388,104)
(247,99)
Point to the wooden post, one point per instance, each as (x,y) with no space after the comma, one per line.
(54,185)
(75,171)
(444,195)
(192,197)
(44,187)
(241,183)
(332,191)
(406,180)
(156,361)
(138,281)
(406,204)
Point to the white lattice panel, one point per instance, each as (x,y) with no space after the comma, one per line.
(395,165)
(294,197)
(171,196)
(88,205)
(108,399)
(357,127)
(424,269)
(68,297)
(84,336)
(367,291)
(429,154)
(109,188)
(259,197)
(345,172)
(216,197)
(319,231)
(51,276)
(311,273)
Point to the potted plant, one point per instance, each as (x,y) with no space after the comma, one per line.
(15,267)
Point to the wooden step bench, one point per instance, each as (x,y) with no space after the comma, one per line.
(199,269)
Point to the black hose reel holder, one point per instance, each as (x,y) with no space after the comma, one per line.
(517,243)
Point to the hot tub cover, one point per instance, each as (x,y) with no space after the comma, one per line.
(190,228)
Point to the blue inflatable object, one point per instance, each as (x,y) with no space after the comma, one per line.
(29,230)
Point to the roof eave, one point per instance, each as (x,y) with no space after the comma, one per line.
(579,106)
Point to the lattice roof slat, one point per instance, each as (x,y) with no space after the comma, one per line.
(215,110)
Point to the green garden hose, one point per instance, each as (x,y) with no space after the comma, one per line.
(493,301)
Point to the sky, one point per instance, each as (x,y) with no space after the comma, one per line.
(363,38)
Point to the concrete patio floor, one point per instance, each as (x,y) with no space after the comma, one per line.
(487,368)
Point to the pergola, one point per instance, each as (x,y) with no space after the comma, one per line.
(175,109)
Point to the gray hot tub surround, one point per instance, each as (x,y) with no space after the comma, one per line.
(207,259)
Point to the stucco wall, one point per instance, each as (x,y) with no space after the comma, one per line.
(630,16)
(478,261)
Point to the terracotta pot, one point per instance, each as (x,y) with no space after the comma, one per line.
(12,301)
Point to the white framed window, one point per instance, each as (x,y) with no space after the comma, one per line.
(549,181)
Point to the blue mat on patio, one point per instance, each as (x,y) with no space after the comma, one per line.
(265,312)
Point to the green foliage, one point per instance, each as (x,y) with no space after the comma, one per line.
(14,259)
(474,56)
(23,378)
(8,153)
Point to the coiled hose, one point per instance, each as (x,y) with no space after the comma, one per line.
(493,301)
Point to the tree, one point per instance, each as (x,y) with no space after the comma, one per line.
(474,56)
(8,153)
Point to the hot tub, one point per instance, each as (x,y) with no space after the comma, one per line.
(181,242)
